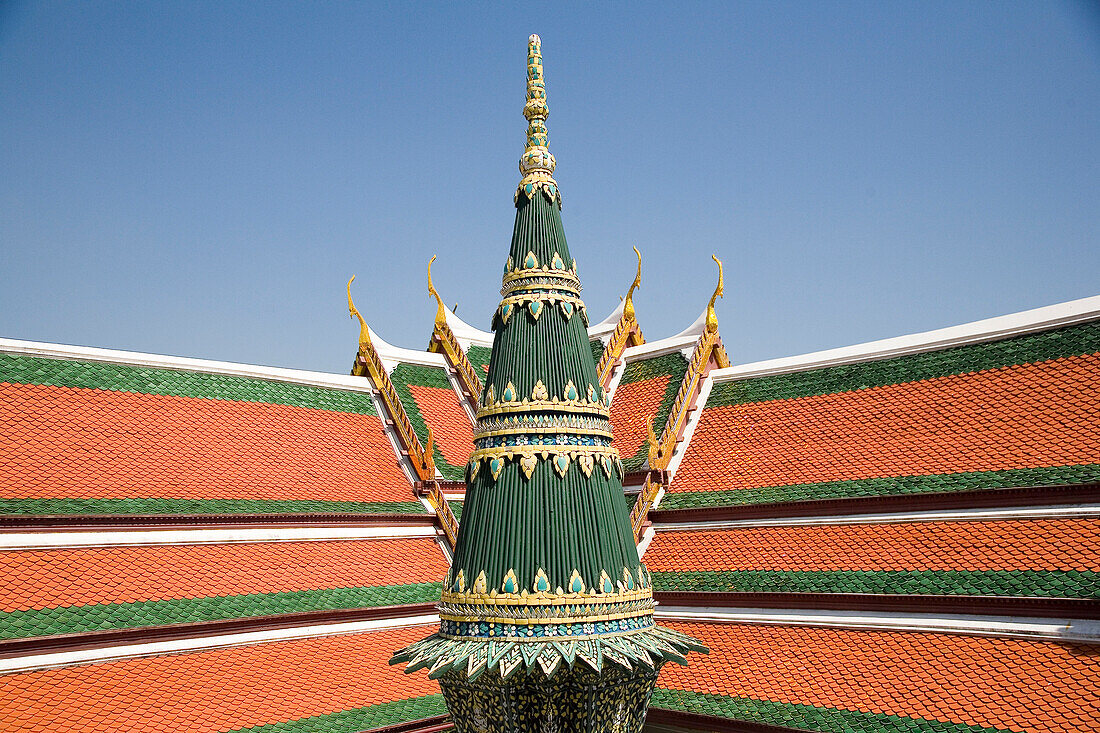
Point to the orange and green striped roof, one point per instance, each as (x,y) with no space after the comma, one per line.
(846,681)
(89,437)
(1011,557)
(71,590)
(1023,411)
(646,391)
(333,684)
(429,399)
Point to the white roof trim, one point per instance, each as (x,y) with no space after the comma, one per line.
(695,330)
(1068,511)
(15,540)
(51,660)
(652,349)
(393,355)
(607,326)
(989,329)
(178,363)
(467,334)
(1020,627)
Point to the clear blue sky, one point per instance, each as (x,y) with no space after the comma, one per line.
(201,179)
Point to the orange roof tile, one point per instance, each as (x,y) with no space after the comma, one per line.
(450,424)
(632,405)
(67,577)
(213,691)
(1032,544)
(1030,686)
(63,442)
(1014,417)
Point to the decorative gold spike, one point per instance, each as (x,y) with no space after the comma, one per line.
(628,306)
(441,310)
(353,312)
(537,164)
(429,450)
(712,318)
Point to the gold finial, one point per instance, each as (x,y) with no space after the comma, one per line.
(712,318)
(651,441)
(353,312)
(537,164)
(429,451)
(441,310)
(628,306)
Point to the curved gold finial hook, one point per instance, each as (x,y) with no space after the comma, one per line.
(441,310)
(353,312)
(651,440)
(712,318)
(429,451)
(628,305)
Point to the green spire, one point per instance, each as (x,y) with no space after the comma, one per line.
(546,571)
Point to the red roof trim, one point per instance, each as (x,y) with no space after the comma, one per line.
(1021,496)
(1078,608)
(200,629)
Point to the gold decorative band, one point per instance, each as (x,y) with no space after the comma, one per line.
(527,429)
(552,405)
(561,457)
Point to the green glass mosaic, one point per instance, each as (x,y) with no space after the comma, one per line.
(358,719)
(204,506)
(1039,583)
(1069,341)
(404,375)
(100,616)
(893,486)
(806,717)
(597,350)
(18,369)
(673,365)
(479,358)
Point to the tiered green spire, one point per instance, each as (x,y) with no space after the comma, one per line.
(546,575)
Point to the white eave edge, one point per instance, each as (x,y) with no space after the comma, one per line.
(392,355)
(683,341)
(466,334)
(1046,318)
(185,364)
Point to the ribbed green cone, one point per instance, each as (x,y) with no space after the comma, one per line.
(545,572)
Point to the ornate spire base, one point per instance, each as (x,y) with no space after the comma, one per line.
(583,701)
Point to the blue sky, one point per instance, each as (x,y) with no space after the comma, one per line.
(201,179)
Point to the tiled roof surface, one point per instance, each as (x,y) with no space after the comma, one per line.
(336,684)
(847,681)
(479,357)
(1032,557)
(69,590)
(429,399)
(190,443)
(978,416)
(647,390)
(597,349)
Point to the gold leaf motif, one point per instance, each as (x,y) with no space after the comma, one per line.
(480,585)
(540,393)
(570,392)
(585,461)
(561,464)
(527,464)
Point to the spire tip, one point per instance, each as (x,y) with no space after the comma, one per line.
(537,164)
